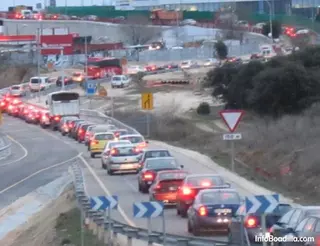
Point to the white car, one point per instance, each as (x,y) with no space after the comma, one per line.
(18,90)
(211,62)
(120,81)
(260,25)
(188,64)
(39,84)
(188,22)
(136,139)
(106,152)
(177,48)
(135,69)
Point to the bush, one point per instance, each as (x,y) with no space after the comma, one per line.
(221,50)
(203,108)
(283,85)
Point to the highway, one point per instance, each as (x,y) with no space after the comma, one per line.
(37,159)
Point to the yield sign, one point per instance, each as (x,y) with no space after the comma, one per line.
(231,118)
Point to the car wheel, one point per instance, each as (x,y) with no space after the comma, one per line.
(110,172)
(103,165)
(195,232)
(63,133)
(93,155)
(79,140)
(144,190)
(183,213)
(139,187)
(189,227)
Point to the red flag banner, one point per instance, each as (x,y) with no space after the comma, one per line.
(56,41)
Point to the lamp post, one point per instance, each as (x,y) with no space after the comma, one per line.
(270,19)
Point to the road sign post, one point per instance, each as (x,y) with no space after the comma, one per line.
(91,89)
(147,104)
(232,119)
(150,210)
(262,205)
(105,203)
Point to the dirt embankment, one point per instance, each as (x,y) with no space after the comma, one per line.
(15,74)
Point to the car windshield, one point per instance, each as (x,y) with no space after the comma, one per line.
(85,127)
(134,139)
(104,137)
(204,180)
(217,197)
(161,163)
(172,175)
(157,153)
(121,132)
(35,81)
(116,78)
(115,143)
(125,151)
(15,87)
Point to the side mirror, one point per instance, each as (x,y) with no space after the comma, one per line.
(182,166)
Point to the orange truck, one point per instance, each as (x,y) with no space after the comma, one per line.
(163,17)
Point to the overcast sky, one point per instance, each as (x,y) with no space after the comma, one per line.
(5,4)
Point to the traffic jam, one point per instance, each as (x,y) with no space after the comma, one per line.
(209,203)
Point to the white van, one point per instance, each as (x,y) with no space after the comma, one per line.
(120,81)
(39,84)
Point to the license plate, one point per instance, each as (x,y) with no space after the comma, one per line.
(126,166)
(172,188)
(149,182)
(223,211)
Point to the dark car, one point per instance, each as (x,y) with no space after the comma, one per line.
(289,221)
(252,223)
(308,228)
(153,153)
(149,171)
(70,126)
(213,210)
(166,185)
(190,187)
(67,81)
(63,126)
(73,133)
(82,131)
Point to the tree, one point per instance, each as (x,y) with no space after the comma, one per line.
(139,31)
(221,50)
(284,90)
(276,29)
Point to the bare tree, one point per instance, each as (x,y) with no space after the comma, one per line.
(139,30)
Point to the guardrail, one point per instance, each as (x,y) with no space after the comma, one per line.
(5,149)
(110,229)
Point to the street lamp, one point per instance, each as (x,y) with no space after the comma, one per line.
(270,19)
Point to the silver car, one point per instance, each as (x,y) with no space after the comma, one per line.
(18,90)
(106,152)
(123,158)
(136,139)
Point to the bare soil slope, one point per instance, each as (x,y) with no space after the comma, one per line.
(15,74)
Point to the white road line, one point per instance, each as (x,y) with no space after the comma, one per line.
(38,172)
(20,158)
(104,188)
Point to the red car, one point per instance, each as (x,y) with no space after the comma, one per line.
(190,187)
(166,185)
(82,131)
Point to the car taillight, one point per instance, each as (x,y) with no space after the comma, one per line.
(44,117)
(186,191)
(142,145)
(57,118)
(148,176)
(203,211)
(70,125)
(157,187)
(94,142)
(80,131)
(251,222)
(114,152)
(10,107)
(2,104)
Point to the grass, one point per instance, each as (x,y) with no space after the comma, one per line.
(69,230)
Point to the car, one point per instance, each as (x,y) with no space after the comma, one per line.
(136,139)
(213,210)
(13,107)
(120,81)
(45,119)
(18,90)
(67,81)
(77,77)
(148,173)
(5,101)
(308,228)
(135,69)
(71,124)
(188,64)
(190,187)
(153,153)
(31,117)
(96,129)
(73,132)
(39,84)
(82,131)
(289,221)
(252,223)
(210,62)
(166,185)
(63,120)
(106,152)
(98,141)
(151,68)
(122,158)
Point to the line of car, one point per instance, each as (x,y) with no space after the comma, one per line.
(208,202)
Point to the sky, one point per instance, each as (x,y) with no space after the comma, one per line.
(5,4)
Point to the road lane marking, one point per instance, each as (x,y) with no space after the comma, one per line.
(104,188)
(38,172)
(20,158)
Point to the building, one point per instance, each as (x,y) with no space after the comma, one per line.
(279,6)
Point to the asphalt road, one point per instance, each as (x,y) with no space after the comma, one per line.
(34,162)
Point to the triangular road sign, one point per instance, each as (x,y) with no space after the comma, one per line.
(231,118)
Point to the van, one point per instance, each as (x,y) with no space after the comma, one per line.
(120,81)
(39,84)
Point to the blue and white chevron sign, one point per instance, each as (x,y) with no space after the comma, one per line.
(263,204)
(147,209)
(104,202)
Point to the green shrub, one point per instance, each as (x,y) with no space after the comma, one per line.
(203,108)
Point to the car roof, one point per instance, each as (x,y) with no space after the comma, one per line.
(101,133)
(131,135)
(119,141)
(203,175)
(219,189)
(147,150)
(162,158)
(173,171)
